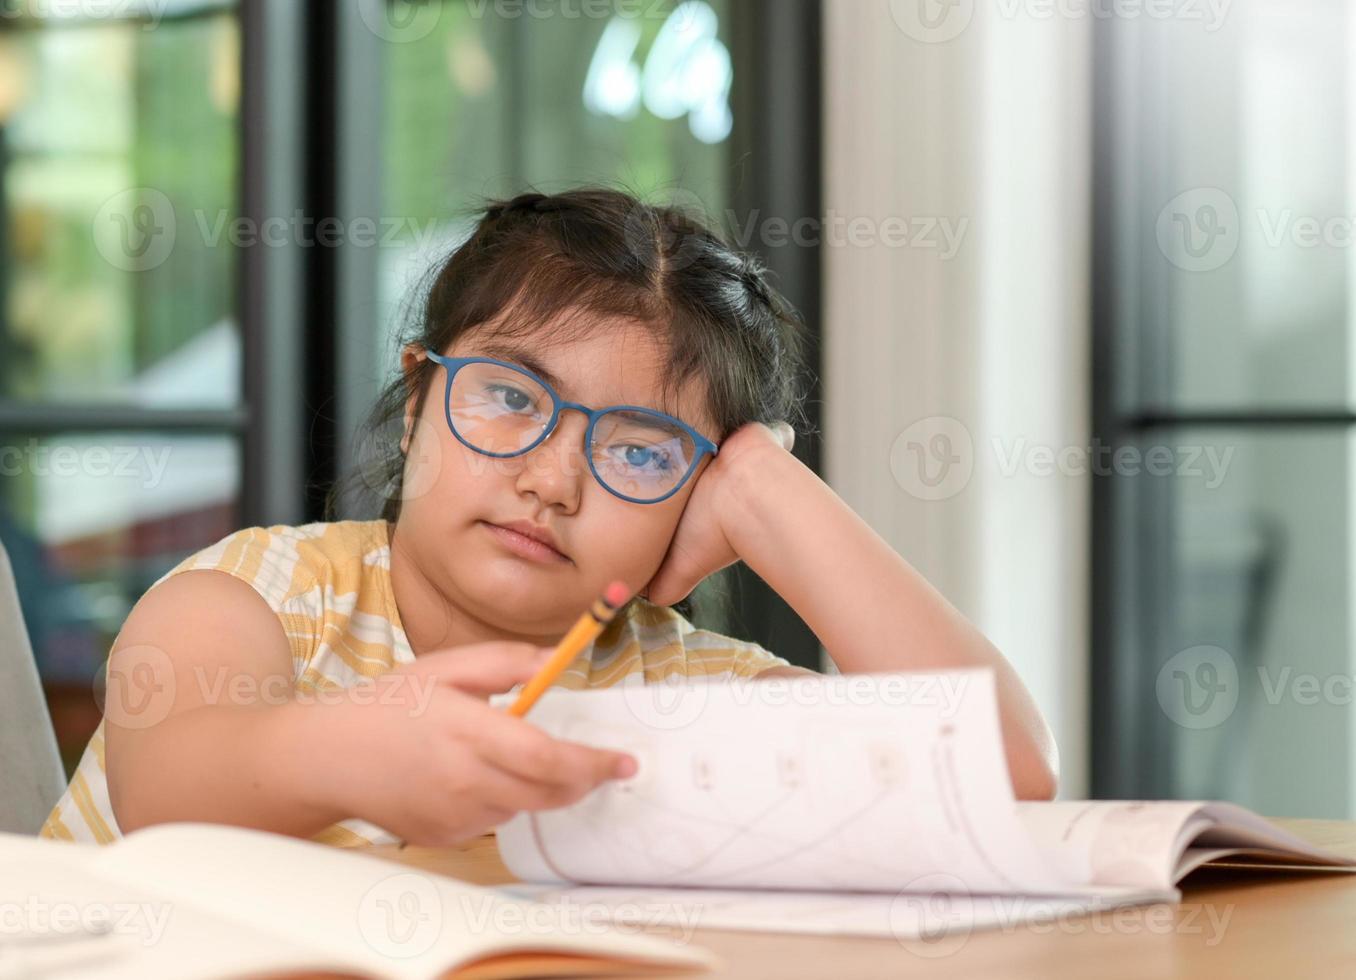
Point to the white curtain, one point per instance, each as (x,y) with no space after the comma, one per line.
(956,235)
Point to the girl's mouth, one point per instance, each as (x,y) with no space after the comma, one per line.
(525,547)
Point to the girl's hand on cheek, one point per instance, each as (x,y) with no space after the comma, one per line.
(701,545)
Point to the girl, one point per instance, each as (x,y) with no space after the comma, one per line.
(331,680)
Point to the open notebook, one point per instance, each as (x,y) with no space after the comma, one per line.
(185,901)
(876,804)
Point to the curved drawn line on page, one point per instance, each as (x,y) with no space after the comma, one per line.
(541,847)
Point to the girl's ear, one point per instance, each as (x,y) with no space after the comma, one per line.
(411,356)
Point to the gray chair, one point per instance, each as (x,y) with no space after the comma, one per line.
(31,777)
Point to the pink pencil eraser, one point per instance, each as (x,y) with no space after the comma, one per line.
(616,594)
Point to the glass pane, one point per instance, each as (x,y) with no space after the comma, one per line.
(481,100)
(90,521)
(118,169)
(1234,558)
(1234,210)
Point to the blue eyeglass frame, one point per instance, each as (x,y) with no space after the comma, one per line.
(454,364)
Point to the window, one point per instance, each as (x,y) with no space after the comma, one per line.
(120,396)
(1223,532)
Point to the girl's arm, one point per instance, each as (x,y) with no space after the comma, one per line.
(198,723)
(869,607)
(202,722)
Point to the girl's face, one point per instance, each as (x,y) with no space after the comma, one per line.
(455,497)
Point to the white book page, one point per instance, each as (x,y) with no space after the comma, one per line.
(932,920)
(1152,843)
(381,918)
(50,900)
(854,782)
(1236,830)
(1125,843)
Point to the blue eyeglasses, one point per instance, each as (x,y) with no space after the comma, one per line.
(502,410)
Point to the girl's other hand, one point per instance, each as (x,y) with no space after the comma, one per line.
(429,760)
(701,545)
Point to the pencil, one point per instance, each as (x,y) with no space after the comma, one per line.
(585,631)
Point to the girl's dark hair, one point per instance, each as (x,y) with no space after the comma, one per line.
(571,258)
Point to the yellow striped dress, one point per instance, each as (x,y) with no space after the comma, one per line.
(330,586)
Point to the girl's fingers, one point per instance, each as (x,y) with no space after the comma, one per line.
(508,791)
(521,748)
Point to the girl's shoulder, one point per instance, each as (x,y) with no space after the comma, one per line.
(282,562)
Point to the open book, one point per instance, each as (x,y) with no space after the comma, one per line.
(184,901)
(846,803)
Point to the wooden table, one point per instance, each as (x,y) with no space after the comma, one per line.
(1266,924)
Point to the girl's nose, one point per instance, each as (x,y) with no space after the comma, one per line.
(556,467)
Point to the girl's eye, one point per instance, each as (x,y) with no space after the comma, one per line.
(642,457)
(512,398)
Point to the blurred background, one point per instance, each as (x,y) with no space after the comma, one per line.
(1077,273)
